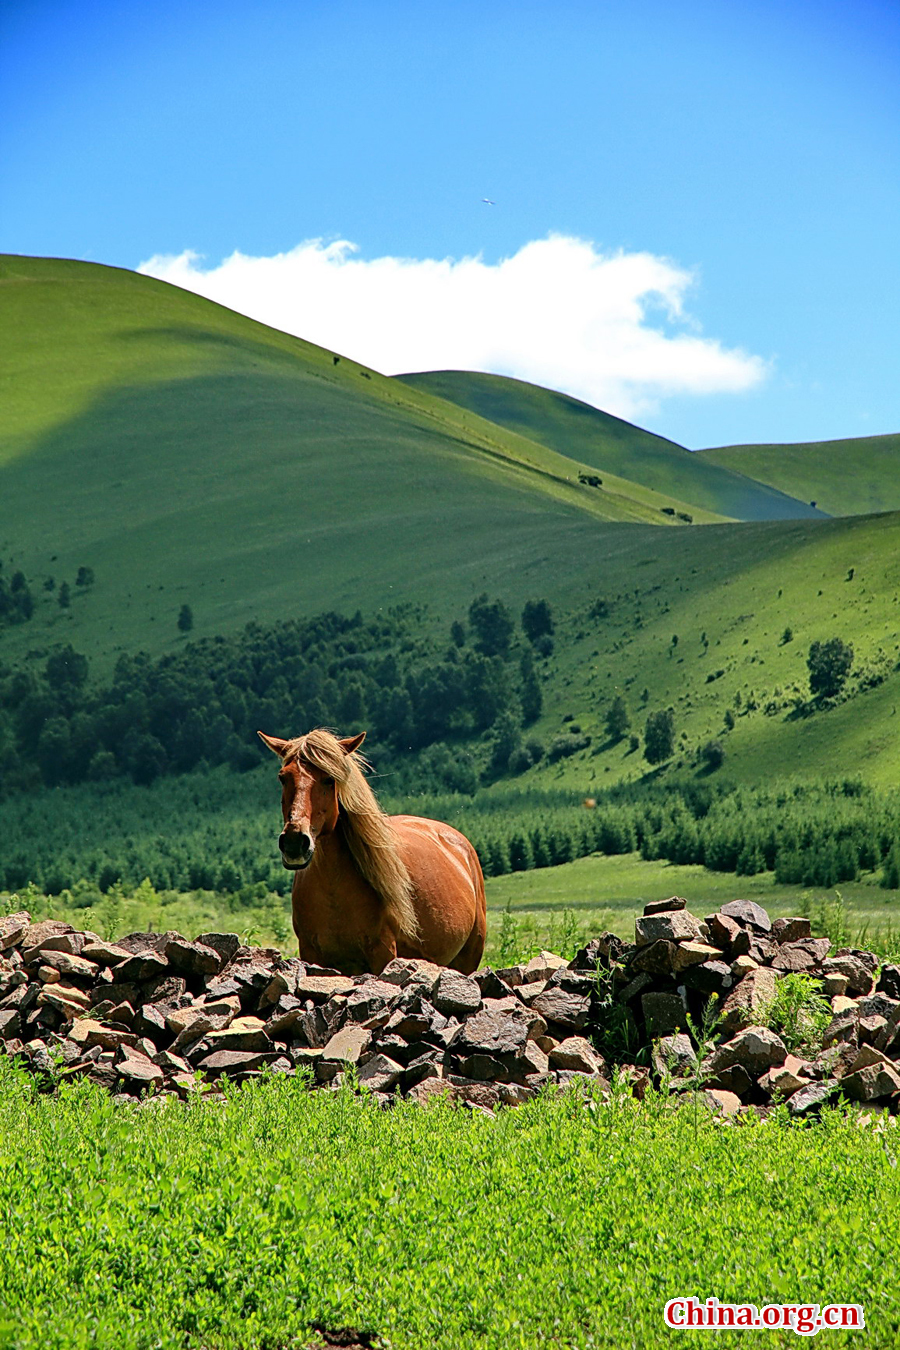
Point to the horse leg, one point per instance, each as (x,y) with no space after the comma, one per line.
(469,956)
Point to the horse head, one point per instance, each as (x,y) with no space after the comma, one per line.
(309,799)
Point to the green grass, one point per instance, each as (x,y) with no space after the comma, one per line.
(236,1227)
(188,454)
(844,478)
(614,446)
(580,899)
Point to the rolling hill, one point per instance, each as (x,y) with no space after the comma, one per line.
(844,478)
(615,446)
(188,454)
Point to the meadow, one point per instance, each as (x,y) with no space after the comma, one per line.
(241,1225)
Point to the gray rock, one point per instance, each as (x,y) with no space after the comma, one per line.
(748,998)
(13,928)
(791,930)
(657,958)
(563,1009)
(456,995)
(889,981)
(664,1014)
(672,926)
(675,1054)
(665,906)
(858,972)
(809,1099)
(842,1027)
(577,1053)
(709,977)
(140,967)
(348,1045)
(755,1048)
(226,944)
(192,958)
(748,912)
(492,1033)
(380,1073)
(232,1062)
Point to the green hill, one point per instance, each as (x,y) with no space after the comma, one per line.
(614,446)
(845,478)
(187,454)
(190,456)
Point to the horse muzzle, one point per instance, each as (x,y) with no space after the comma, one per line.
(297,848)
(294,864)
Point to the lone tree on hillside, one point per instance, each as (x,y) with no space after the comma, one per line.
(659,737)
(537,620)
(185,619)
(617,719)
(492,624)
(829,665)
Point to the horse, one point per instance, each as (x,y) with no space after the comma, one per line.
(369,887)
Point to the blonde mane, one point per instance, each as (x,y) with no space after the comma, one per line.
(367,830)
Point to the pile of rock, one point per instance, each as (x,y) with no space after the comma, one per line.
(158,1012)
(665,979)
(155,1011)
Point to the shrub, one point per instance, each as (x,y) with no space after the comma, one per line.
(799,1012)
(659,737)
(829,664)
(617,719)
(713,755)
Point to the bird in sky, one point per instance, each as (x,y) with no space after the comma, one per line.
(487,201)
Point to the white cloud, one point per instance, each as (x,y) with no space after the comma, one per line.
(557,313)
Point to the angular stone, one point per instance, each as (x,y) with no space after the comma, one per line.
(710,977)
(372,1002)
(512,976)
(801,955)
(672,926)
(791,930)
(243,1033)
(842,1003)
(192,958)
(664,1014)
(456,995)
(575,1052)
(484,1068)
(432,1090)
(380,1073)
(320,988)
(630,991)
(871,1081)
(47,975)
(542,966)
(665,906)
(842,1027)
(527,993)
(348,1044)
(734,1078)
(742,965)
(171,1064)
(755,1048)
(675,1055)
(404,971)
(226,944)
(722,930)
(86,1032)
(888,981)
(65,998)
(13,928)
(693,954)
(786,1078)
(485,1096)
(68,965)
(657,958)
(140,967)
(104,953)
(140,1072)
(748,999)
(603,951)
(10,1024)
(866,1056)
(36,934)
(858,972)
(493,1033)
(748,912)
(232,1062)
(870,1028)
(720,1101)
(563,1009)
(490,984)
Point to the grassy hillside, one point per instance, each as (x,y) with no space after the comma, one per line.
(844,478)
(614,446)
(189,455)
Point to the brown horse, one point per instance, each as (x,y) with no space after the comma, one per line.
(368,886)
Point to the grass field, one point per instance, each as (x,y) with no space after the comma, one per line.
(188,454)
(611,445)
(819,471)
(237,1227)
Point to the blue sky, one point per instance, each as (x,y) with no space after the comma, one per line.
(752,149)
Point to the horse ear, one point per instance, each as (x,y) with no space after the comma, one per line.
(351,743)
(273,743)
